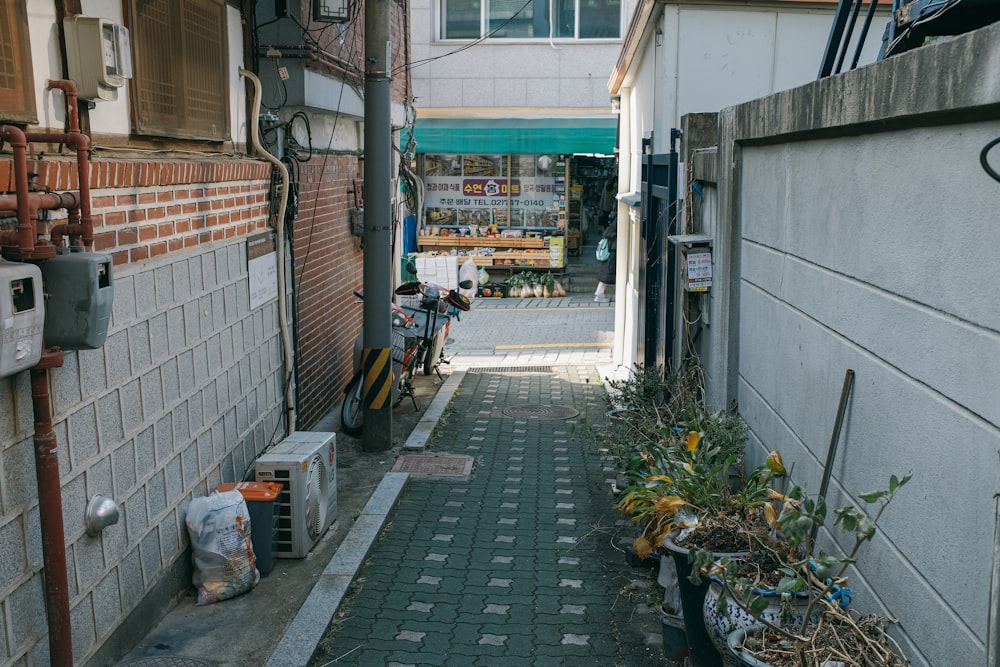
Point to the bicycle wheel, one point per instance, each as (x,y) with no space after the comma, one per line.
(430,361)
(352,410)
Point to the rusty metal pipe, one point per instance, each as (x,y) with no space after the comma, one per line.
(81,143)
(50,513)
(49,201)
(71,226)
(72,108)
(19,144)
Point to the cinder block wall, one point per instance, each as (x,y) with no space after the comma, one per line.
(861,233)
(184,394)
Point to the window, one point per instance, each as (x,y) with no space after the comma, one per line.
(530,19)
(17,91)
(180,84)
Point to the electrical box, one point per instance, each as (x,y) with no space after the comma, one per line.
(695,261)
(22,315)
(99,56)
(79,293)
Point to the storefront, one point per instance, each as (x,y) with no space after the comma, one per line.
(510,193)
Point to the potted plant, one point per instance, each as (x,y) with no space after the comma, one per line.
(826,630)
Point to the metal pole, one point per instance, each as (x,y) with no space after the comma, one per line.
(377,357)
(993,617)
(845,393)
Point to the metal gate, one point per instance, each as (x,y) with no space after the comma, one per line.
(658,220)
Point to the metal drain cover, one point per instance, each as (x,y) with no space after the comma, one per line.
(166,661)
(541,411)
(434,465)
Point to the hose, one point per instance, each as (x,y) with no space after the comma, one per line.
(286,341)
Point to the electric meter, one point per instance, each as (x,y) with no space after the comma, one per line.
(22,314)
(99,56)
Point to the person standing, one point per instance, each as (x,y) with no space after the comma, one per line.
(609,267)
(608,201)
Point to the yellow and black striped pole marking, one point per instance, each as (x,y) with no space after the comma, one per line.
(377,388)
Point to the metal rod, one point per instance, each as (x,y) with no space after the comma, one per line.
(845,393)
(855,8)
(869,15)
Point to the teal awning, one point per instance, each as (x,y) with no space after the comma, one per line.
(515,135)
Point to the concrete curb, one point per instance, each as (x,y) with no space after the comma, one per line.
(304,633)
(422,431)
(301,638)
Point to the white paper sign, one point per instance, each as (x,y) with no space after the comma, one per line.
(262,269)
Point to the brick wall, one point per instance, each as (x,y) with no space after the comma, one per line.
(328,268)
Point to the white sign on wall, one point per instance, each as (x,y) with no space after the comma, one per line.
(262,269)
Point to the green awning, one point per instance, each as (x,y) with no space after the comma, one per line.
(515,135)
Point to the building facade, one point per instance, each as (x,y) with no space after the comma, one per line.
(199,373)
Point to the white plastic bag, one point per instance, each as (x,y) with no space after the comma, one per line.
(468,271)
(224,563)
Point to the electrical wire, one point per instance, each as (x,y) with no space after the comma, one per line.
(984,160)
(949,5)
(465,47)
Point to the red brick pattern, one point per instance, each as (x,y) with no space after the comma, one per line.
(145,208)
(328,268)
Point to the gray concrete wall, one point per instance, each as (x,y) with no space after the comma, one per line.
(182,396)
(858,230)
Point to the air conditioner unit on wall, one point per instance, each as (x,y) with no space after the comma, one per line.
(306,464)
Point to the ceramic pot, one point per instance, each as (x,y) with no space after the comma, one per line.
(719,627)
(701,651)
(734,642)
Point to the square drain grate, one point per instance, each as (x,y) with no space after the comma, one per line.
(434,465)
(510,369)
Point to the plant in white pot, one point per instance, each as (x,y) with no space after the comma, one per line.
(825,632)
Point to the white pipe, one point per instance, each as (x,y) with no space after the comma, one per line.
(286,339)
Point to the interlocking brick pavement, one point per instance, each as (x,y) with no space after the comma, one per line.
(513,565)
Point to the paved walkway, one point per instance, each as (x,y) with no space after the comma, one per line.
(512,564)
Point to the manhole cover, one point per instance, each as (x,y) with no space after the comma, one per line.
(541,411)
(166,661)
(434,465)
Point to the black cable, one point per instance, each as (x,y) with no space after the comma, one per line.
(986,163)
(474,42)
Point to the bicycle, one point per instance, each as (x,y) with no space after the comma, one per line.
(409,352)
(437,306)
(405,346)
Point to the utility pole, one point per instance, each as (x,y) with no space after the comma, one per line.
(377,354)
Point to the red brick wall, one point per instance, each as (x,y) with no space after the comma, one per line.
(144,208)
(328,268)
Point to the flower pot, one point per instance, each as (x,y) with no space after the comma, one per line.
(701,651)
(674,638)
(734,641)
(721,626)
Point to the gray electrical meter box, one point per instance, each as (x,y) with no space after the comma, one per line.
(79,293)
(22,315)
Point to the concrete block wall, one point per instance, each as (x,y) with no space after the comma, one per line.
(859,230)
(185,392)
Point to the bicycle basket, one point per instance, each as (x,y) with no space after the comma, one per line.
(399,346)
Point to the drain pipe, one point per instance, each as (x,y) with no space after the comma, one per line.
(50,513)
(286,341)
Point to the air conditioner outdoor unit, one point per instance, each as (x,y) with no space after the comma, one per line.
(305,463)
